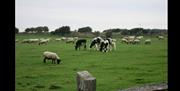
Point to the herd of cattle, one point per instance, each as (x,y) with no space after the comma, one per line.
(100,44)
(97,43)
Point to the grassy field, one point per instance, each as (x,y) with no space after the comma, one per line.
(129,65)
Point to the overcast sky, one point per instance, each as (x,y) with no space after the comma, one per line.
(98,14)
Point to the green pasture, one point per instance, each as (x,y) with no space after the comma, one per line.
(129,65)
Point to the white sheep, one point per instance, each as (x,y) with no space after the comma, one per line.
(136,41)
(131,37)
(147,41)
(123,40)
(45,41)
(139,37)
(63,38)
(25,41)
(160,37)
(70,40)
(33,40)
(126,37)
(58,39)
(51,55)
(30,41)
(130,41)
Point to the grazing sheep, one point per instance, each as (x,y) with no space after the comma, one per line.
(147,41)
(160,37)
(131,37)
(130,41)
(51,55)
(33,40)
(139,37)
(58,39)
(43,42)
(25,41)
(126,37)
(136,41)
(30,41)
(70,40)
(63,38)
(123,40)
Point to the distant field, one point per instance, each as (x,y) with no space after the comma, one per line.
(129,65)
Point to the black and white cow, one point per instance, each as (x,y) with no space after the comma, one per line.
(108,44)
(80,43)
(104,46)
(96,42)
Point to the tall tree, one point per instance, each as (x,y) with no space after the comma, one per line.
(63,30)
(136,31)
(85,29)
(96,33)
(46,29)
(39,29)
(27,30)
(109,34)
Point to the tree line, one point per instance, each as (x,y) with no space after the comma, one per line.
(65,30)
(136,31)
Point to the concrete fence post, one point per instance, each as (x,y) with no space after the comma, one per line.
(85,81)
